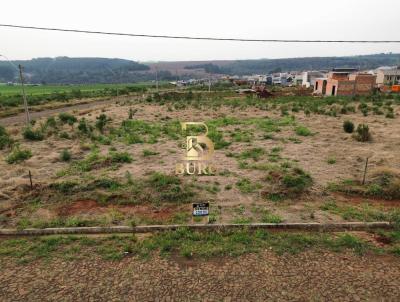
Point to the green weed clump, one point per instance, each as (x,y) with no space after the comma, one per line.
(67,118)
(66,187)
(65,135)
(138,132)
(331,160)
(297,181)
(254,153)
(121,157)
(187,243)
(84,127)
(303,131)
(287,181)
(51,122)
(389,115)
(147,153)
(245,185)
(168,188)
(268,217)
(101,122)
(33,135)
(5,140)
(65,155)
(348,126)
(382,183)
(18,155)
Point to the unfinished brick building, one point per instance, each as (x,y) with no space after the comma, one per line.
(345,81)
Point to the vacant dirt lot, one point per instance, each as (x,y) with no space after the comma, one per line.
(257,147)
(310,276)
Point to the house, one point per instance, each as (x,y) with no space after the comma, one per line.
(283,79)
(388,76)
(298,80)
(309,77)
(276,79)
(345,81)
(259,79)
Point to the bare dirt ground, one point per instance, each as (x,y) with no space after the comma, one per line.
(311,153)
(309,276)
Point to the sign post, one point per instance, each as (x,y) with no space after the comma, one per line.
(201,209)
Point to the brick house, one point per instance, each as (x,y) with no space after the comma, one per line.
(345,81)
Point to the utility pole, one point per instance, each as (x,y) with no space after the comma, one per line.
(209,83)
(177,80)
(157,78)
(21,77)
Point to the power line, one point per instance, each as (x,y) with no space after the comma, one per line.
(195,38)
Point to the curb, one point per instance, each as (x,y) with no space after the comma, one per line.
(315,227)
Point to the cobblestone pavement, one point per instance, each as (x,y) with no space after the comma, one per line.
(309,276)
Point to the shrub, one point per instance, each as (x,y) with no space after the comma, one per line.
(363,134)
(67,118)
(51,122)
(5,140)
(33,135)
(65,155)
(390,115)
(101,122)
(377,110)
(303,131)
(364,111)
(84,127)
(18,155)
(348,126)
(64,135)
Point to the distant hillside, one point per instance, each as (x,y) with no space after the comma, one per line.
(64,70)
(298,64)
(264,66)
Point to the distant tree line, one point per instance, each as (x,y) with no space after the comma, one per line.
(264,66)
(65,70)
(209,68)
(313,63)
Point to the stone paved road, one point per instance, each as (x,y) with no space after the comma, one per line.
(309,276)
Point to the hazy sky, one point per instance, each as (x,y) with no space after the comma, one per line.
(289,19)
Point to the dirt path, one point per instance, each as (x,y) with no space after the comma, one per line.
(20,118)
(309,276)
